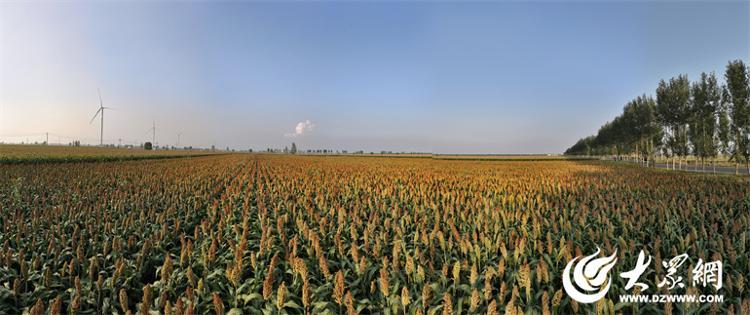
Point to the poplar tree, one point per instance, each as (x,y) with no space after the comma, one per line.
(736,77)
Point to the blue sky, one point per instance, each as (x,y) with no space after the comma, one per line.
(447,77)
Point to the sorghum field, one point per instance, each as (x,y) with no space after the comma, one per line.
(246,233)
(14,153)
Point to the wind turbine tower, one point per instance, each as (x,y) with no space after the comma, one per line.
(153,133)
(100,112)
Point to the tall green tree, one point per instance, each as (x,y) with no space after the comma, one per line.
(673,108)
(724,132)
(738,83)
(645,125)
(702,121)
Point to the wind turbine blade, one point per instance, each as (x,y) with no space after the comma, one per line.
(101,104)
(96,114)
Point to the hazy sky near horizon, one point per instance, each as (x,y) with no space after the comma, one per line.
(446,77)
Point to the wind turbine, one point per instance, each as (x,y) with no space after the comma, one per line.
(153,133)
(178,138)
(101,110)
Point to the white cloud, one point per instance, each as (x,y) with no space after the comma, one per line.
(302,128)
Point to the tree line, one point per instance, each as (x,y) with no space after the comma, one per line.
(704,119)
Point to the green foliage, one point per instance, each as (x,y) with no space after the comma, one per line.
(673,107)
(703,119)
(738,84)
